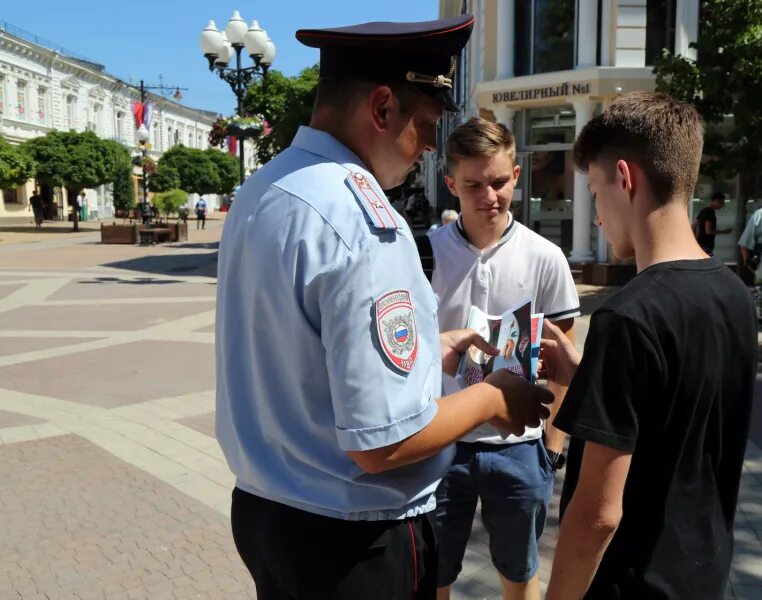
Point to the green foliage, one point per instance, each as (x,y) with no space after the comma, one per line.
(227,169)
(124,190)
(197,173)
(171,201)
(74,160)
(16,166)
(286,103)
(164,179)
(726,79)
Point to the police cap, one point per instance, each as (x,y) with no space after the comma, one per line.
(422,53)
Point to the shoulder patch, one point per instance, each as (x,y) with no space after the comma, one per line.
(397,333)
(374,203)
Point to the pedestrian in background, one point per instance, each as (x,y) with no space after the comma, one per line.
(201,213)
(36,204)
(706,223)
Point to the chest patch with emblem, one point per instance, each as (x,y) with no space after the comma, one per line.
(397,333)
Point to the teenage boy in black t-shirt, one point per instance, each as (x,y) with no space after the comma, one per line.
(659,405)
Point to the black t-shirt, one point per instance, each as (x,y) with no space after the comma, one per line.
(668,374)
(706,215)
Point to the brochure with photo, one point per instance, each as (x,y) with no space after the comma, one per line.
(516,333)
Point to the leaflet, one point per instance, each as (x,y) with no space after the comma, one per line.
(516,333)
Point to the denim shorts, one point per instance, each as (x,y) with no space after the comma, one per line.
(514,483)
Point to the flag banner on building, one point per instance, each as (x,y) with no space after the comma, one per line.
(137,111)
(232,144)
(148,114)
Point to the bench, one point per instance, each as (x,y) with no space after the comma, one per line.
(153,235)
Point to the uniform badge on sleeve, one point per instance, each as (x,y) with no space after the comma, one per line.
(397,333)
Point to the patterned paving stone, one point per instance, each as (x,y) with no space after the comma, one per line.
(13,419)
(97,316)
(106,529)
(6,289)
(202,423)
(126,373)
(19,345)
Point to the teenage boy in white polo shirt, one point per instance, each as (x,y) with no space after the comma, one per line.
(489,260)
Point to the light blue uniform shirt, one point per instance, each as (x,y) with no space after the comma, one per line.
(327,338)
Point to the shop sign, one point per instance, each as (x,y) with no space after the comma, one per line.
(552,91)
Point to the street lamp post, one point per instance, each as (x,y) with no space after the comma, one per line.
(218,48)
(143,135)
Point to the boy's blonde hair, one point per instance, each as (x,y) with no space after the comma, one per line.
(478,137)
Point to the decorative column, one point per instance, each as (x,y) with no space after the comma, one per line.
(582,199)
(506,17)
(587,34)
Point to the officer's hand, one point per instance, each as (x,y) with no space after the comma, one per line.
(454,344)
(559,357)
(524,403)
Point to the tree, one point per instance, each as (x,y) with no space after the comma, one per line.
(227,169)
(164,179)
(286,103)
(124,189)
(726,79)
(73,161)
(16,166)
(197,173)
(171,201)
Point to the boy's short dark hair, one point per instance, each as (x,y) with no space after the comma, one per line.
(660,134)
(718,196)
(478,137)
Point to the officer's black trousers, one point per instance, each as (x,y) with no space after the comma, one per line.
(298,555)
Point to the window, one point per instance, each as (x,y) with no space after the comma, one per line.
(120,125)
(21,99)
(2,94)
(200,142)
(544,36)
(95,124)
(42,102)
(190,139)
(170,136)
(71,112)
(10,196)
(176,138)
(660,28)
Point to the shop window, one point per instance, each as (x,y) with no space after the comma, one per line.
(544,36)
(550,126)
(660,28)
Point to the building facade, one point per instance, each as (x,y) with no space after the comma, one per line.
(545,68)
(45,88)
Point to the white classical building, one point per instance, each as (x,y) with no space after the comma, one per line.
(45,88)
(545,68)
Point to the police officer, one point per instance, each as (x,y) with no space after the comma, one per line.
(329,358)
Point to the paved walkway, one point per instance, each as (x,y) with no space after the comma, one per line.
(111,482)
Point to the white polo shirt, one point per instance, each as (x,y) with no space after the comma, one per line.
(522,265)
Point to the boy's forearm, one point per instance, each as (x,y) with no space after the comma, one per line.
(580,548)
